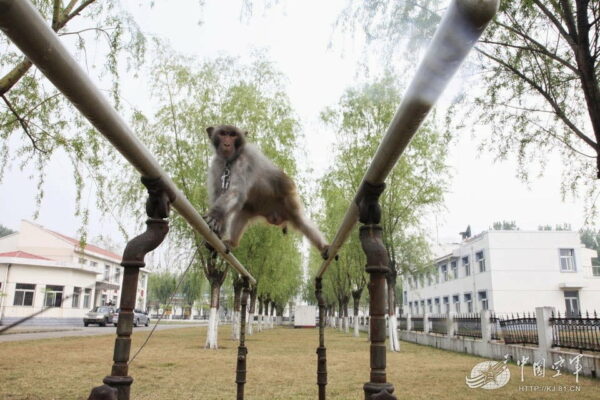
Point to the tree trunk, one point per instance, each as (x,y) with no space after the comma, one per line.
(213,320)
(279,312)
(340,317)
(261,306)
(356,297)
(237,306)
(392,321)
(251,309)
(346,321)
(272,320)
(216,276)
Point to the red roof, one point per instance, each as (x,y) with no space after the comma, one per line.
(88,247)
(23,254)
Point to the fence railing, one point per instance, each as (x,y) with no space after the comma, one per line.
(468,325)
(576,332)
(519,329)
(580,332)
(496,330)
(438,324)
(418,323)
(403,323)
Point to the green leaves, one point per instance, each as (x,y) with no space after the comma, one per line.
(416,184)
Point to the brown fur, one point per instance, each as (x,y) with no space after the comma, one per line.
(257,188)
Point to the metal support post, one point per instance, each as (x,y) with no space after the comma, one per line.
(157,209)
(377,268)
(240,373)
(321,350)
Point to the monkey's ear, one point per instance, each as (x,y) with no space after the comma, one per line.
(245,133)
(209,131)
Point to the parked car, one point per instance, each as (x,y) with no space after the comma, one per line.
(139,318)
(100,315)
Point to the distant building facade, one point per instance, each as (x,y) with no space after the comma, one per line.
(41,268)
(508,272)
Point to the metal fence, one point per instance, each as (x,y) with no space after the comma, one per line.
(519,329)
(438,324)
(576,332)
(495,327)
(417,323)
(468,325)
(402,323)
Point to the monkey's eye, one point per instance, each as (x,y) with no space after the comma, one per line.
(232,134)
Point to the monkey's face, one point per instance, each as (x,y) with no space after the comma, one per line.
(227,140)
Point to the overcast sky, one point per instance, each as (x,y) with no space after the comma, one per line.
(297,37)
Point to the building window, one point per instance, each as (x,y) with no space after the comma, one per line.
(103,300)
(469,302)
(456,301)
(118,275)
(87,295)
(446,301)
(454,268)
(24,294)
(76,296)
(422,307)
(82,261)
(438,307)
(465,261)
(53,296)
(405,298)
(429,280)
(480,260)
(483,300)
(444,273)
(429,306)
(596,271)
(422,279)
(93,264)
(437,276)
(107,273)
(567,260)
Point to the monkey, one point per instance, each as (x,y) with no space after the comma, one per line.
(243,185)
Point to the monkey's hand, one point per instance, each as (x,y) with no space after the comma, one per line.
(325,253)
(215,220)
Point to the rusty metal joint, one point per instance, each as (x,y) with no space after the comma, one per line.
(367,201)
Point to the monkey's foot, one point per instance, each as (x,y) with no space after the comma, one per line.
(325,253)
(214,222)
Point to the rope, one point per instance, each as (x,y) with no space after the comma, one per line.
(165,309)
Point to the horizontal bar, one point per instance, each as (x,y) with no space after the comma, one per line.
(456,35)
(24,25)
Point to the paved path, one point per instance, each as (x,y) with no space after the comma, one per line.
(70,331)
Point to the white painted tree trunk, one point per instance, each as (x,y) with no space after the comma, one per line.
(271,321)
(346,325)
(356,327)
(250,324)
(235,325)
(213,324)
(260,322)
(393,333)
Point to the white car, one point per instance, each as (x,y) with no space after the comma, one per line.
(139,318)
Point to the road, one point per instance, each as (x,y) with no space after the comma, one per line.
(70,331)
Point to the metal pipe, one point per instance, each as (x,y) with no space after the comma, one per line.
(24,25)
(457,33)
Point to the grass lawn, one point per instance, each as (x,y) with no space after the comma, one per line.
(281,365)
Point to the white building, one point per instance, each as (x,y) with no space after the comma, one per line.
(508,272)
(41,268)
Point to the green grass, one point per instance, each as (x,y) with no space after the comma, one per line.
(281,365)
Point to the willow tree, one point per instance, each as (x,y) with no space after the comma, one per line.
(538,63)
(37,123)
(190,96)
(415,185)
(345,278)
